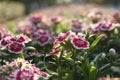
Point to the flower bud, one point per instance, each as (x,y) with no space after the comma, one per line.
(103,55)
(92,64)
(112,51)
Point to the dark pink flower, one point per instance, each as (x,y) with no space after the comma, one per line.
(24,74)
(106,26)
(61,38)
(23,38)
(38,54)
(56,19)
(77,25)
(42,32)
(5,33)
(80,43)
(15,47)
(22,70)
(43,40)
(95,16)
(25,27)
(44,75)
(35,18)
(4,42)
(53,52)
(35,36)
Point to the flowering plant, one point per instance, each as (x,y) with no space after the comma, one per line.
(75,49)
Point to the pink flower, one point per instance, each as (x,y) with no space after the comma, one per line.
(106,26)
(77,25)
(25,27)
(43,40)
(15,47)
(22,70)
(42,36)
(53,52)
(42,32)
(95,16)
(24,74)
(44,75)
(16,44)
(61,38)
(35,36)
(56,19)
(4,42)
(35,18)
(38,54)
(23,38)
(104,78)
(5,33)
(80,43)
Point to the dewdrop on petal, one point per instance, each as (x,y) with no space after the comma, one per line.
(112,51)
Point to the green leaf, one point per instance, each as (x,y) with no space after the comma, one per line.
(96,41)
(93,73)
(68,56)
(30,49)
(21,56)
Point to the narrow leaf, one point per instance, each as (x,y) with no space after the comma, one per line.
(96,41)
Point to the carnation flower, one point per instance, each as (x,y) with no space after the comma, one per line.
(106,26)
(24,74)
(16,47)
(77,25)
(15,44)
(56,19)
(60,39)
(34,36)
(53,52)
(42,36)
(38,54)
(22,70)
(4,42)
(25,27)
(79,43)
(43,40)
(5,33)
(36,18)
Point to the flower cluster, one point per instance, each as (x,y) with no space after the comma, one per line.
(36,18)
(14,44)
(42,36)
(21,69)
(103,26)
(78,41)
(77,25)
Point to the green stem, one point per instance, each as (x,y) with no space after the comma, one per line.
(60,65)
(74,66)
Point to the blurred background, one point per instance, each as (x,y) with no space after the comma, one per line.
(12,9)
